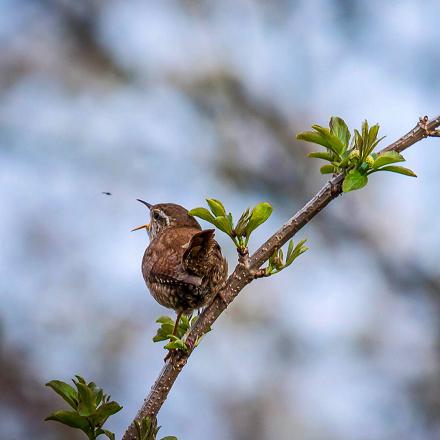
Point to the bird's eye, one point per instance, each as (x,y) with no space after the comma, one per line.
(156,215)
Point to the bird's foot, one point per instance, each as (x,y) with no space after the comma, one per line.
(221,295)
(173,354)
(169,355)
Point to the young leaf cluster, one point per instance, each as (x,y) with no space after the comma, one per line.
(147,429)
(165,332)
(239,232)
(277,262)
(91,407)
(355,159)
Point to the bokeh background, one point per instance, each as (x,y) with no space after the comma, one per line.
(182,100)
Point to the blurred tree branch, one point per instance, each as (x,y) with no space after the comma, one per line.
(80,20)
(225,99)
(244,274)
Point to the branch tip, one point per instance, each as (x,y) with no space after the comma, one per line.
(424,125)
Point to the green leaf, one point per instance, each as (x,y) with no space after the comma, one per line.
(217,207)
(322,155)
(289,250)
(176,344)
(87,401)
(281,255)
(105,411)
(202,213)
(242,222)
(365,132)
(146,429)
(184,325)
(165,320)
(276,260)
(386,158)
(372,136)
(375,143)
(339,128)
(334,142)
(317,137)
(67,392)
(107,433)
(354,180)
(163,335)
(295,253)
(184,321)
(70,418)
(95,390)
(314,137)
(109,408)
(358,141)
(169,437)
(230,220)
(99,395)
(400,170)
(371,145)
(164,332)
(137,425)
(259,215)
(222,223)
(327,169)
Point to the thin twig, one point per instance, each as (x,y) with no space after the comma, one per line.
(245,273)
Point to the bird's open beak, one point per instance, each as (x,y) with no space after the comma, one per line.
(148,205)
(147,227)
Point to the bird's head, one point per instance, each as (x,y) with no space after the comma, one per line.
(166,215)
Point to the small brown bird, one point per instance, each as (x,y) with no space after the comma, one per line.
(183,266)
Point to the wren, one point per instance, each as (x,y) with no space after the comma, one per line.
(183,266)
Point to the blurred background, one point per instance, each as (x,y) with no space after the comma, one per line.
(182,100)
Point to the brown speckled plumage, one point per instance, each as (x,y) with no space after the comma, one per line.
(183,266)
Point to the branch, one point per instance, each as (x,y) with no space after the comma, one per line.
(245,273)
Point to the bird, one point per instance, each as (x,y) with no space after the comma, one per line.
(183,266)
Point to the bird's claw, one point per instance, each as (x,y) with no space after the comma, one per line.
(222,298)
(172,354)
(168,356)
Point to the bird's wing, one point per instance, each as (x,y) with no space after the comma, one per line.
(180,278)
(166,264)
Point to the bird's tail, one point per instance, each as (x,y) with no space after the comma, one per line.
(199,248)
